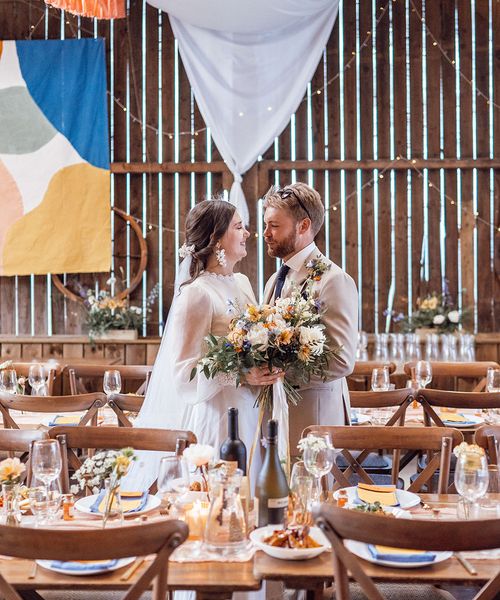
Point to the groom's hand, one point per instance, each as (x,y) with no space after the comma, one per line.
(262,376)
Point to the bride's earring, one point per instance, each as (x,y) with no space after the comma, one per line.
(220,255)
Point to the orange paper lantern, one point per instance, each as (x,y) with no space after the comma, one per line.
(100,9)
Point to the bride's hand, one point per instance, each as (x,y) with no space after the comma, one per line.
(262,376)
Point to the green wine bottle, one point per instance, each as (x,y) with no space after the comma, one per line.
(272,486)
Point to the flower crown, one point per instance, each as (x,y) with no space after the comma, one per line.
(185,250)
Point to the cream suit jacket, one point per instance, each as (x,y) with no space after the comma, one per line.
(326,403)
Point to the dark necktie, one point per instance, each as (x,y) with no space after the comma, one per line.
(280,280)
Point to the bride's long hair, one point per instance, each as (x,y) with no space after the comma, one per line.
(206,223)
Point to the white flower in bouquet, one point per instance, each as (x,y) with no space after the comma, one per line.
(313,337)
(454,316)
(438,319)
(315,443)
(199,454)
(258,336)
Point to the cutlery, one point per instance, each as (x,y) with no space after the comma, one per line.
(132,569)
(32,575)
(465,563)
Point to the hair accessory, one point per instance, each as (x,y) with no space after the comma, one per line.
(220,255)
(186,250)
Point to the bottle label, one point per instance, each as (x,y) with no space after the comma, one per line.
(231,465)
(277,502)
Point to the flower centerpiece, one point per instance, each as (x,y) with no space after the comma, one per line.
(198,456)
(94,472)
(11,470)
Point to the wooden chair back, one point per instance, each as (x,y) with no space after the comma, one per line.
(472,372)
(52,371)
(125,402)
(431,399)
(339,524)
(51,404)
(401,398)
(19,441)
(159,539)
(360,378)
(488,437)
(73,439)
(438,442)
(88,378)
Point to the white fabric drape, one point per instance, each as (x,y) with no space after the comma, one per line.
(249,63)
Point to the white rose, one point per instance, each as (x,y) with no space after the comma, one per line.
(438,319)
(454,316)
(311,336)
(258,336)
(198,454)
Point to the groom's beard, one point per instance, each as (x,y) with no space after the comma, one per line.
(284,247)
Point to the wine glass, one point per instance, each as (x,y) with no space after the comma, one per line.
(44,501)
(8,381)
(47,461)
(471,480)
(112,382)
(380,379)
(493,380)
(36,378)
(319,456)
(423,373)
(173,478)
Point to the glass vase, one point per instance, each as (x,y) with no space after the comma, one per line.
(10,504)
(113,509)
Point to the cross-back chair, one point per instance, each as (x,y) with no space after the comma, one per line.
(472,373)
(159,539)
(82,378)
(339,524)
(52,370)
(121,403)
(431,399)
(438,442)
(488,437)
(19,441)
(90,403)
(72,439)
(360,378)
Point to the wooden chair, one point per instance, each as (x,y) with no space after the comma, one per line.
(81,376)
(430,399)
(360,378)
(51,405)
(488,437)
(112,438)
(438,442)
(472,373)
(52,370)
(125,402)
(19,441)
(339,524)
(159,539)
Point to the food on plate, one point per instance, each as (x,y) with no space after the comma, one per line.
(195,486)
(374,508)
(297,537)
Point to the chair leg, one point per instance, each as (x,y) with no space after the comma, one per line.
(341,580)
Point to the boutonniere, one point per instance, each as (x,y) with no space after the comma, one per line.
(316,267)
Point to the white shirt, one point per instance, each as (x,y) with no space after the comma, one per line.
(296,262)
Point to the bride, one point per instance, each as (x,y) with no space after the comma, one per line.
(215,243)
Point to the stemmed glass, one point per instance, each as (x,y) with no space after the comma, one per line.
(46,460)
(493,380)
(423,373)
(173,478)
(319,456)
(381,380)
(112,382)
(471,480)
(36,378)
(8,381)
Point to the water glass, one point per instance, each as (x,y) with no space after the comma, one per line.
(112,382)
(412,347)
(46,461)
(173,478)
(490,503)
(381,346)
(361,349)
(8,381)
(37,378)
(381,380)
(493,380)
(471,481)
(45,502)
(432,346)
(423,373)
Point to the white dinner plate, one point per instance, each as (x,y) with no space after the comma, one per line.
(406,499)
(122,562)
(84,504)
(257,536)
(362,418)
(361,549)
(473,421)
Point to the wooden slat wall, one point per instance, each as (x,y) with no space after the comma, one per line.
(398,237)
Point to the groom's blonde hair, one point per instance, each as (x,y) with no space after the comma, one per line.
(300,200)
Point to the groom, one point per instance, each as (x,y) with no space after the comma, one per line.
(293,217)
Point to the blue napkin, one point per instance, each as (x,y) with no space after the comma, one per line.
(66,421)
(142,502)
(354,417)
(84,566)
(458,423)
(402,558)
